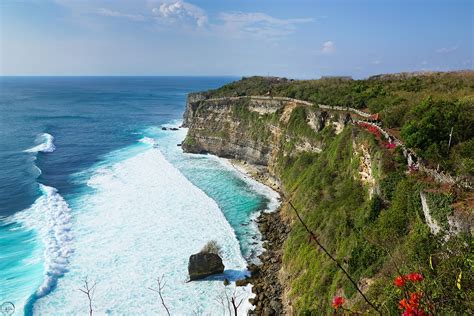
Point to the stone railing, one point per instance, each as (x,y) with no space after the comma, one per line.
(297,101)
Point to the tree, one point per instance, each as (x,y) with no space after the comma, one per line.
(161,285)
(88,290)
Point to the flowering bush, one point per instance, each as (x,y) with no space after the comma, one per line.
(414,277)
(411,306)
(371,129)
(412,303)
(337,302)
(399,281)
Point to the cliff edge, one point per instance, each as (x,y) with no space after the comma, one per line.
(355,188)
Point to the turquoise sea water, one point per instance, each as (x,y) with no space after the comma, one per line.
(92,187)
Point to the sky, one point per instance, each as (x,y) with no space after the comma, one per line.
(293,38)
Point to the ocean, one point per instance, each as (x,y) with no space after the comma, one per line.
(92,188)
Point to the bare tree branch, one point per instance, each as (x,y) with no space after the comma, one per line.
(161,286)
(89,291)
(231,299)
(228,301)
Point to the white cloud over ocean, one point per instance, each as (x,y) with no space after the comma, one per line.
(328,47)
(179,11)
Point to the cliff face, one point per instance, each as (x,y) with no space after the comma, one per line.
(354,192)
(214,128)
(253,129)
(269,134)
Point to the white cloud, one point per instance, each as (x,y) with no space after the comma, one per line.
(445,50)
(328,47)
(117,14)
(257,25)
(171,12)
(183,14)
(376,62)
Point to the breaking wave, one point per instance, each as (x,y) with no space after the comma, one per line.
(143,220)
(50,217)
(46,144)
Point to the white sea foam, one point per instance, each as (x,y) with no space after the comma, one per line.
(177,156)
(143,220)
(37,170)
(46,144)
(50,216)
(148,141)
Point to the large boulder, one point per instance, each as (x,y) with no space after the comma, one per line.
(204,264)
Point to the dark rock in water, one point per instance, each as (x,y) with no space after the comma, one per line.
(243,282)
(174,128)
(202,265)
(178,144)
(253,268)
(164,129)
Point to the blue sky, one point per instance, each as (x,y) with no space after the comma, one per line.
(299,39)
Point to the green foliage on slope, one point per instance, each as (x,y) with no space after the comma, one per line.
(429,129)
(371,237)
(378,237)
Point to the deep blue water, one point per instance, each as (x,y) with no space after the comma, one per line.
(88,117)
(95,122)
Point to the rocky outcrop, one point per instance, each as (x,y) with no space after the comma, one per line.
(319,116)
(249,128)
(430,221)
(254,130)
(214,128)
(203,264)
(265,278)
(366,172)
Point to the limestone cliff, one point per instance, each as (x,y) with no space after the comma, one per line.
(264,132)
(350,181)
(254,129)
(220,127)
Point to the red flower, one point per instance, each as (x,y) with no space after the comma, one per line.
(399,281)
(337,301)
(403,304)
(414,277)
(414,300)
(411,305)
(414,312)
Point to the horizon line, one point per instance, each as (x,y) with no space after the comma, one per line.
(234,76)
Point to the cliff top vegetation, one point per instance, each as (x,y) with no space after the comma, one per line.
(424,109)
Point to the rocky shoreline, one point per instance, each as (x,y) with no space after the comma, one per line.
(265,277)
